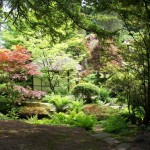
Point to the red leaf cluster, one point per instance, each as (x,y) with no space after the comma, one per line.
(17,63)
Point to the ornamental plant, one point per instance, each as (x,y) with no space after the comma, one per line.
(86,91)
(28,93)
(16,65)
(104,95)
(62,104)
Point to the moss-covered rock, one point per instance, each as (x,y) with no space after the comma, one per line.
(28,109)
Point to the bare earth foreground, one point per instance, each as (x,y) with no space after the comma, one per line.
(16,135)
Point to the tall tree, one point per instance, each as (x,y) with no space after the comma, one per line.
(136,17)
(50,15)
(1,6)
(16,66)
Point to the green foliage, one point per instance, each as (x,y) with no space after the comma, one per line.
(62,89)
(3,89)
(64,103)
(128,90)
(82,120)
(90,78)
(51,57)
(13,113)
(54,18)
(61,103)
(59,119)
(135,117)
(32,120)
(5,104)
(3,117)
(86,91)
(104,95)
(75,119)
(77,106)
(115,124)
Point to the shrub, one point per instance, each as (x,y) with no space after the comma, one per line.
(86,91)
(28,93)
(104,95)
(13,113)
(114,124)
(3,90)
(61,103)
(32,120)
(3,117)
(5,104)
(77,106)
(59,119)
(82,120)
(90,78)
(74,119)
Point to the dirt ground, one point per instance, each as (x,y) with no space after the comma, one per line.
(16,135)
(141,141)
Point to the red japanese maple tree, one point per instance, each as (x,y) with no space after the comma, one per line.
(16,64)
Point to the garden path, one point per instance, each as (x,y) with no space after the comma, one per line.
(17,135)
(139,141)
(108,138)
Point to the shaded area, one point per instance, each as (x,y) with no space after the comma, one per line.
(16,135)
(141,141)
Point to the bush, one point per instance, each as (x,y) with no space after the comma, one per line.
(33,120)
(74,119)
(3,90)
(13,113)
(77,106)
(90,78)
(5,104)
(115,124)
(3,117)
(59,119)
(82,120)
(28,93)
(86,91)
(104,95)
(61,103)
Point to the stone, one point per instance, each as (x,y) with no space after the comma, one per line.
(101,135)
(111,141)
(123,146)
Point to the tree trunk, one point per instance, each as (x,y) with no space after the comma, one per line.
(146,120)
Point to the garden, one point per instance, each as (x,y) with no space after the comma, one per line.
(85,68)
(85,105)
